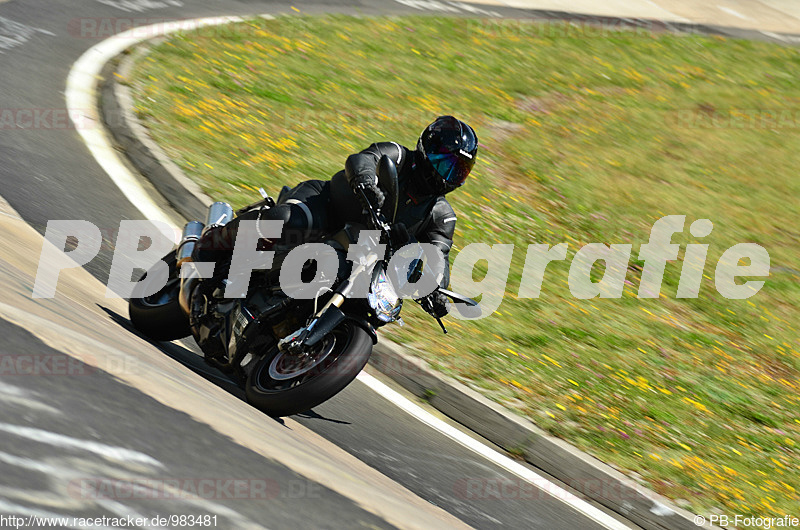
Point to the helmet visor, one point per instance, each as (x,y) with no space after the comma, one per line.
(452,168)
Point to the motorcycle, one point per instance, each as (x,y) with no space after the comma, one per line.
(289,354)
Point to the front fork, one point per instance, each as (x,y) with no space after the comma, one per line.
(330,316)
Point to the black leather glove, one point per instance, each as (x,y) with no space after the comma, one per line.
(374,195)
(435,304)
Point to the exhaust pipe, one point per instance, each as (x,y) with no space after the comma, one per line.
(219,214)
(191,234)
(187,285)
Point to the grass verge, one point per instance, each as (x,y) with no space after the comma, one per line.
(585,138)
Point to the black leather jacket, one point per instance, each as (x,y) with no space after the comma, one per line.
(427,214)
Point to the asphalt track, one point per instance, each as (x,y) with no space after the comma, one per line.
(57,431)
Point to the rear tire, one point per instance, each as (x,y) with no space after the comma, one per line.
(160,316)
(350,354)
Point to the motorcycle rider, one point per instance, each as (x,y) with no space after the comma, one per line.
(443,158)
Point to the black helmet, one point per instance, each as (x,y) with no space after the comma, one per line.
(450,147)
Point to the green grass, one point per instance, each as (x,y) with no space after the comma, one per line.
(583,140)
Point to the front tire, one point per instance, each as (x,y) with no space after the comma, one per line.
(160,316)
(283,397)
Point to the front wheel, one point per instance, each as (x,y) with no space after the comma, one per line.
(282,384)
(160,316)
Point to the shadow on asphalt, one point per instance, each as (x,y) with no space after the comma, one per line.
(311,415)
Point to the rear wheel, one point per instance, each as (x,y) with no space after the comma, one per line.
(160,316)
(282,384)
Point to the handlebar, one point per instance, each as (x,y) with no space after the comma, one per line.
(380,223)
(375,213)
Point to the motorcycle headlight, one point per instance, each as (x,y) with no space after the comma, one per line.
(383,298)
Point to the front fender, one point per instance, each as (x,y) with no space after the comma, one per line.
(364,324)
